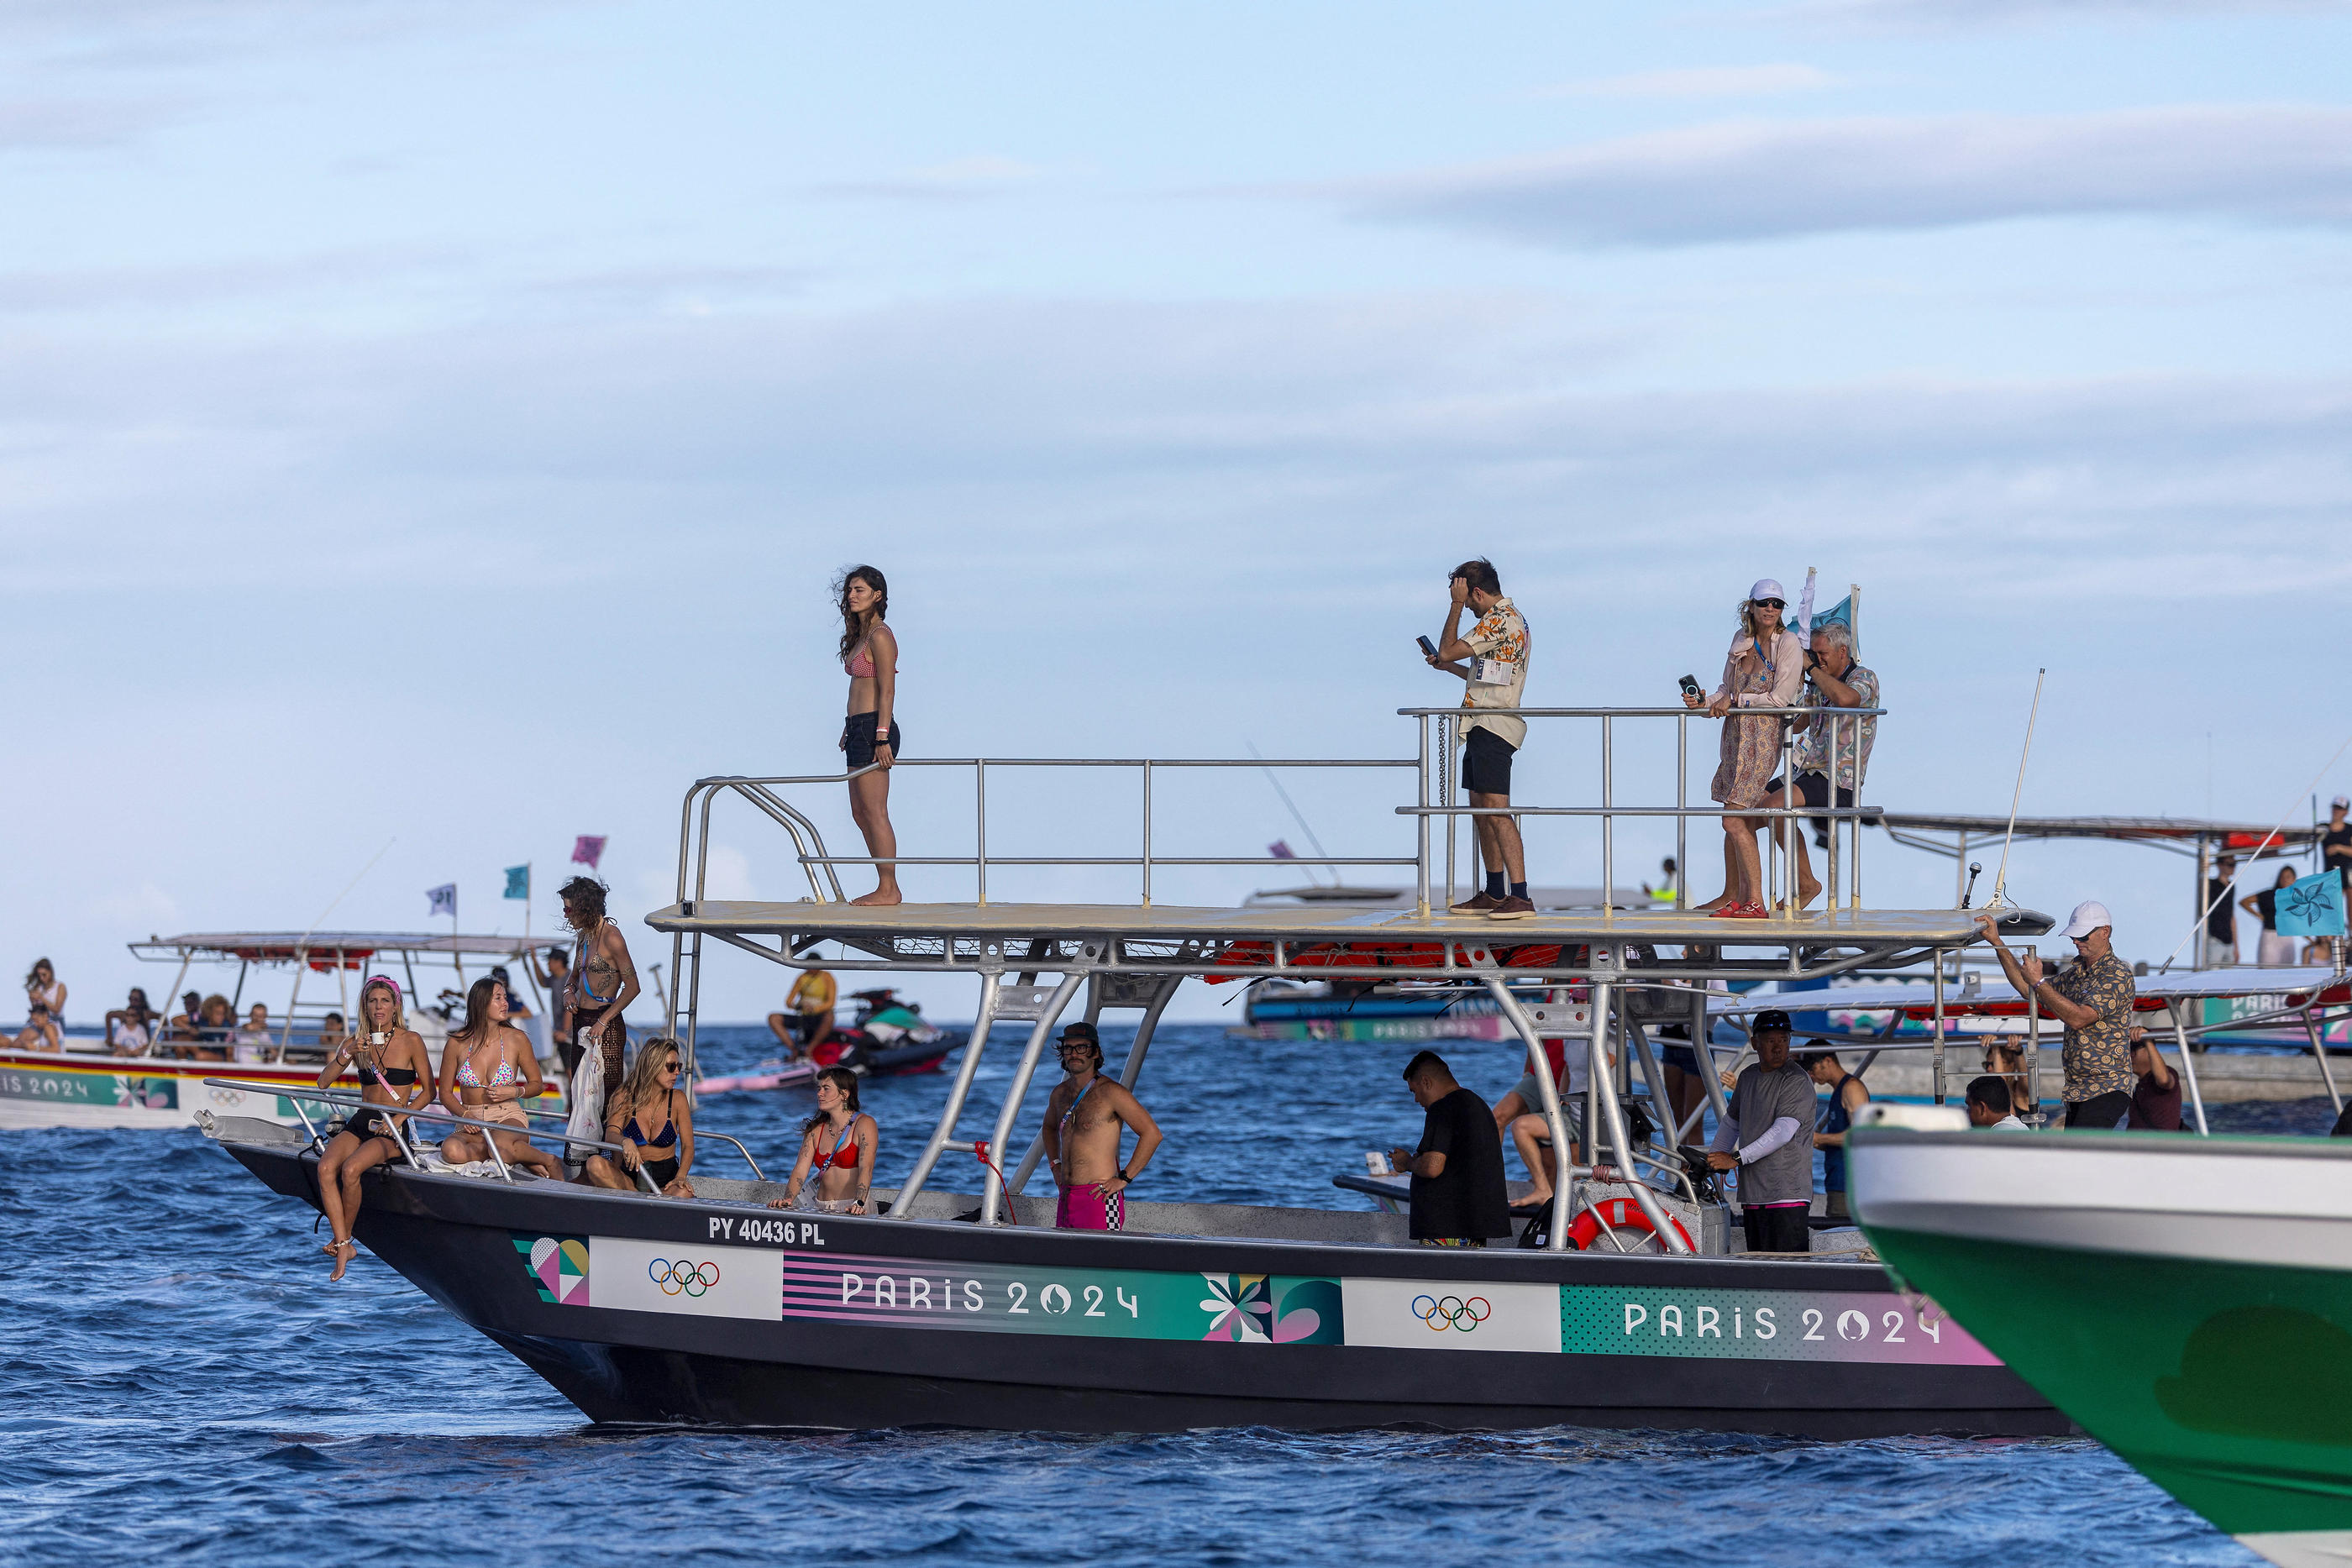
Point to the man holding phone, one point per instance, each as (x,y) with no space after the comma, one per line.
(1493,660)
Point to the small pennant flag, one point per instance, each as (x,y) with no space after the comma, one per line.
(1280,850)
(2311,905)
(518,882)
(587,850)
(445,899)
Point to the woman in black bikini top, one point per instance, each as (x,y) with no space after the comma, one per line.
(649,1098)
(394,1071)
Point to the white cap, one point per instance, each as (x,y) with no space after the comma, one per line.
(2341,803)
(2089,915)
(1766,588)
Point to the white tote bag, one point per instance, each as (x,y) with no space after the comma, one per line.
(587,1106)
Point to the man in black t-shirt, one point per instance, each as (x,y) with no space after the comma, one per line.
(2336,841)
(1458,1197)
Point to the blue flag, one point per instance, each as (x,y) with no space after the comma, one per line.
(2312,906)
(518,882)
(444,898)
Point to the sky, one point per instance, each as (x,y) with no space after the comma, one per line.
(428,431)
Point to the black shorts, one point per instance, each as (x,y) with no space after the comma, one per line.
(857,739)
(366,1124)
(1487,762)
(1780,1228)
(2100,1113)
(1814,788)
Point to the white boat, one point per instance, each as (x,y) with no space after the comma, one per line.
(88,1084)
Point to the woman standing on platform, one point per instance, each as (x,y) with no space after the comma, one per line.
(869,653)
(1765,668)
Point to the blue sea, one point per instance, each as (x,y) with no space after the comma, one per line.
(181,1385)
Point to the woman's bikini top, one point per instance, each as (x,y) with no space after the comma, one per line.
(669,1139)
(844,1153)
(473,1080)
(396,1076)
(589,963)
(860,663)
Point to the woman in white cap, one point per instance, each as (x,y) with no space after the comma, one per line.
(1765,668)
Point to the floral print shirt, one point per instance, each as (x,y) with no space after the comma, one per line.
(1500,633)
(2098,1057)
(1854,735)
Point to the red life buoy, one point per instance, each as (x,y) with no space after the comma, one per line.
(1622,1214)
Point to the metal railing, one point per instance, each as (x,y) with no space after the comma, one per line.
(1780,870)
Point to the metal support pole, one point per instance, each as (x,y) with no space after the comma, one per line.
(980,825)
(1939,1028)
(1829,894)
(1654,1076)
(992,1189)
(1420,851)
(1598,1072)
(2319,1049)
(2033,1044)
(1548,1091)
(957,1092)
(1682,805)
(1445,731)
(1608,831)
(693,1006)
(1960,870)
(2188,1064)
(1147,832)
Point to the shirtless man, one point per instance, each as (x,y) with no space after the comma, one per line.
(1083,1122)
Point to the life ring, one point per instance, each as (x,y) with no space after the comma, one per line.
(1622,1214)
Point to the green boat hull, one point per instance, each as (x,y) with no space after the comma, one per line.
(2229,1385)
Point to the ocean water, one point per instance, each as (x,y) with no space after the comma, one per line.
(181,1384)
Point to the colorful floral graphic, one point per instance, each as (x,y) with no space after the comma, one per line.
(1265,1308)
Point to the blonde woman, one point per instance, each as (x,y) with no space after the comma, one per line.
(1765,668)
(654,1125)
(487,1070)
(394,1070)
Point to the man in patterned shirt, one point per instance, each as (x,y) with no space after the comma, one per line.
(1491,657)
(2093,997)
(1836,681)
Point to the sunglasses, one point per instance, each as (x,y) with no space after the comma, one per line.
(1773,603)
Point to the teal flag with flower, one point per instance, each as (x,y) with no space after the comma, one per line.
(2311,905)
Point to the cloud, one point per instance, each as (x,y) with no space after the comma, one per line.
(1763,181)
(1913,15)
(957,179)
(94,123)
(1697,82)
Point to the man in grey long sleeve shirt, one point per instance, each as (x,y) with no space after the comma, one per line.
(1771,1103)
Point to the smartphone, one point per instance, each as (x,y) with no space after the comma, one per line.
(1690,686)
(1428,648)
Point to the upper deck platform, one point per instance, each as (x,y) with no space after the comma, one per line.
(1167,939)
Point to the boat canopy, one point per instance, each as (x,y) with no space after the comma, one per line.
(325,950)
(2184,833)
(2298,987)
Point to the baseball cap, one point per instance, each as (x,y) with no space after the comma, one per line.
(1766,588)
(2342,802)
(2089,915)
(1081,1031)
(1770,1018)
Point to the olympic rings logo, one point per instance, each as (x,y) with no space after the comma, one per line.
(1452,1312)
(683,1277)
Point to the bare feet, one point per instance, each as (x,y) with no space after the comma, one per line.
(1718,902)
(881,895)
(343,1252)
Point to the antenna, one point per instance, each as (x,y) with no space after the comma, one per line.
(346,892)
(1295,817)
(1999,899)
(1975,870)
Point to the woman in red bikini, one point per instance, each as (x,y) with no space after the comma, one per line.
(836,1170)
(870,737)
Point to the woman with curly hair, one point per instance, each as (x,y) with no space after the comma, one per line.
(1765,668)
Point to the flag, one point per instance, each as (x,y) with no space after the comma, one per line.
(518,882)
(587,850)
(1280,850)
(445,899)
(2311,905)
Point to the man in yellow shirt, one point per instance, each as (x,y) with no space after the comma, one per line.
(809,1016)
